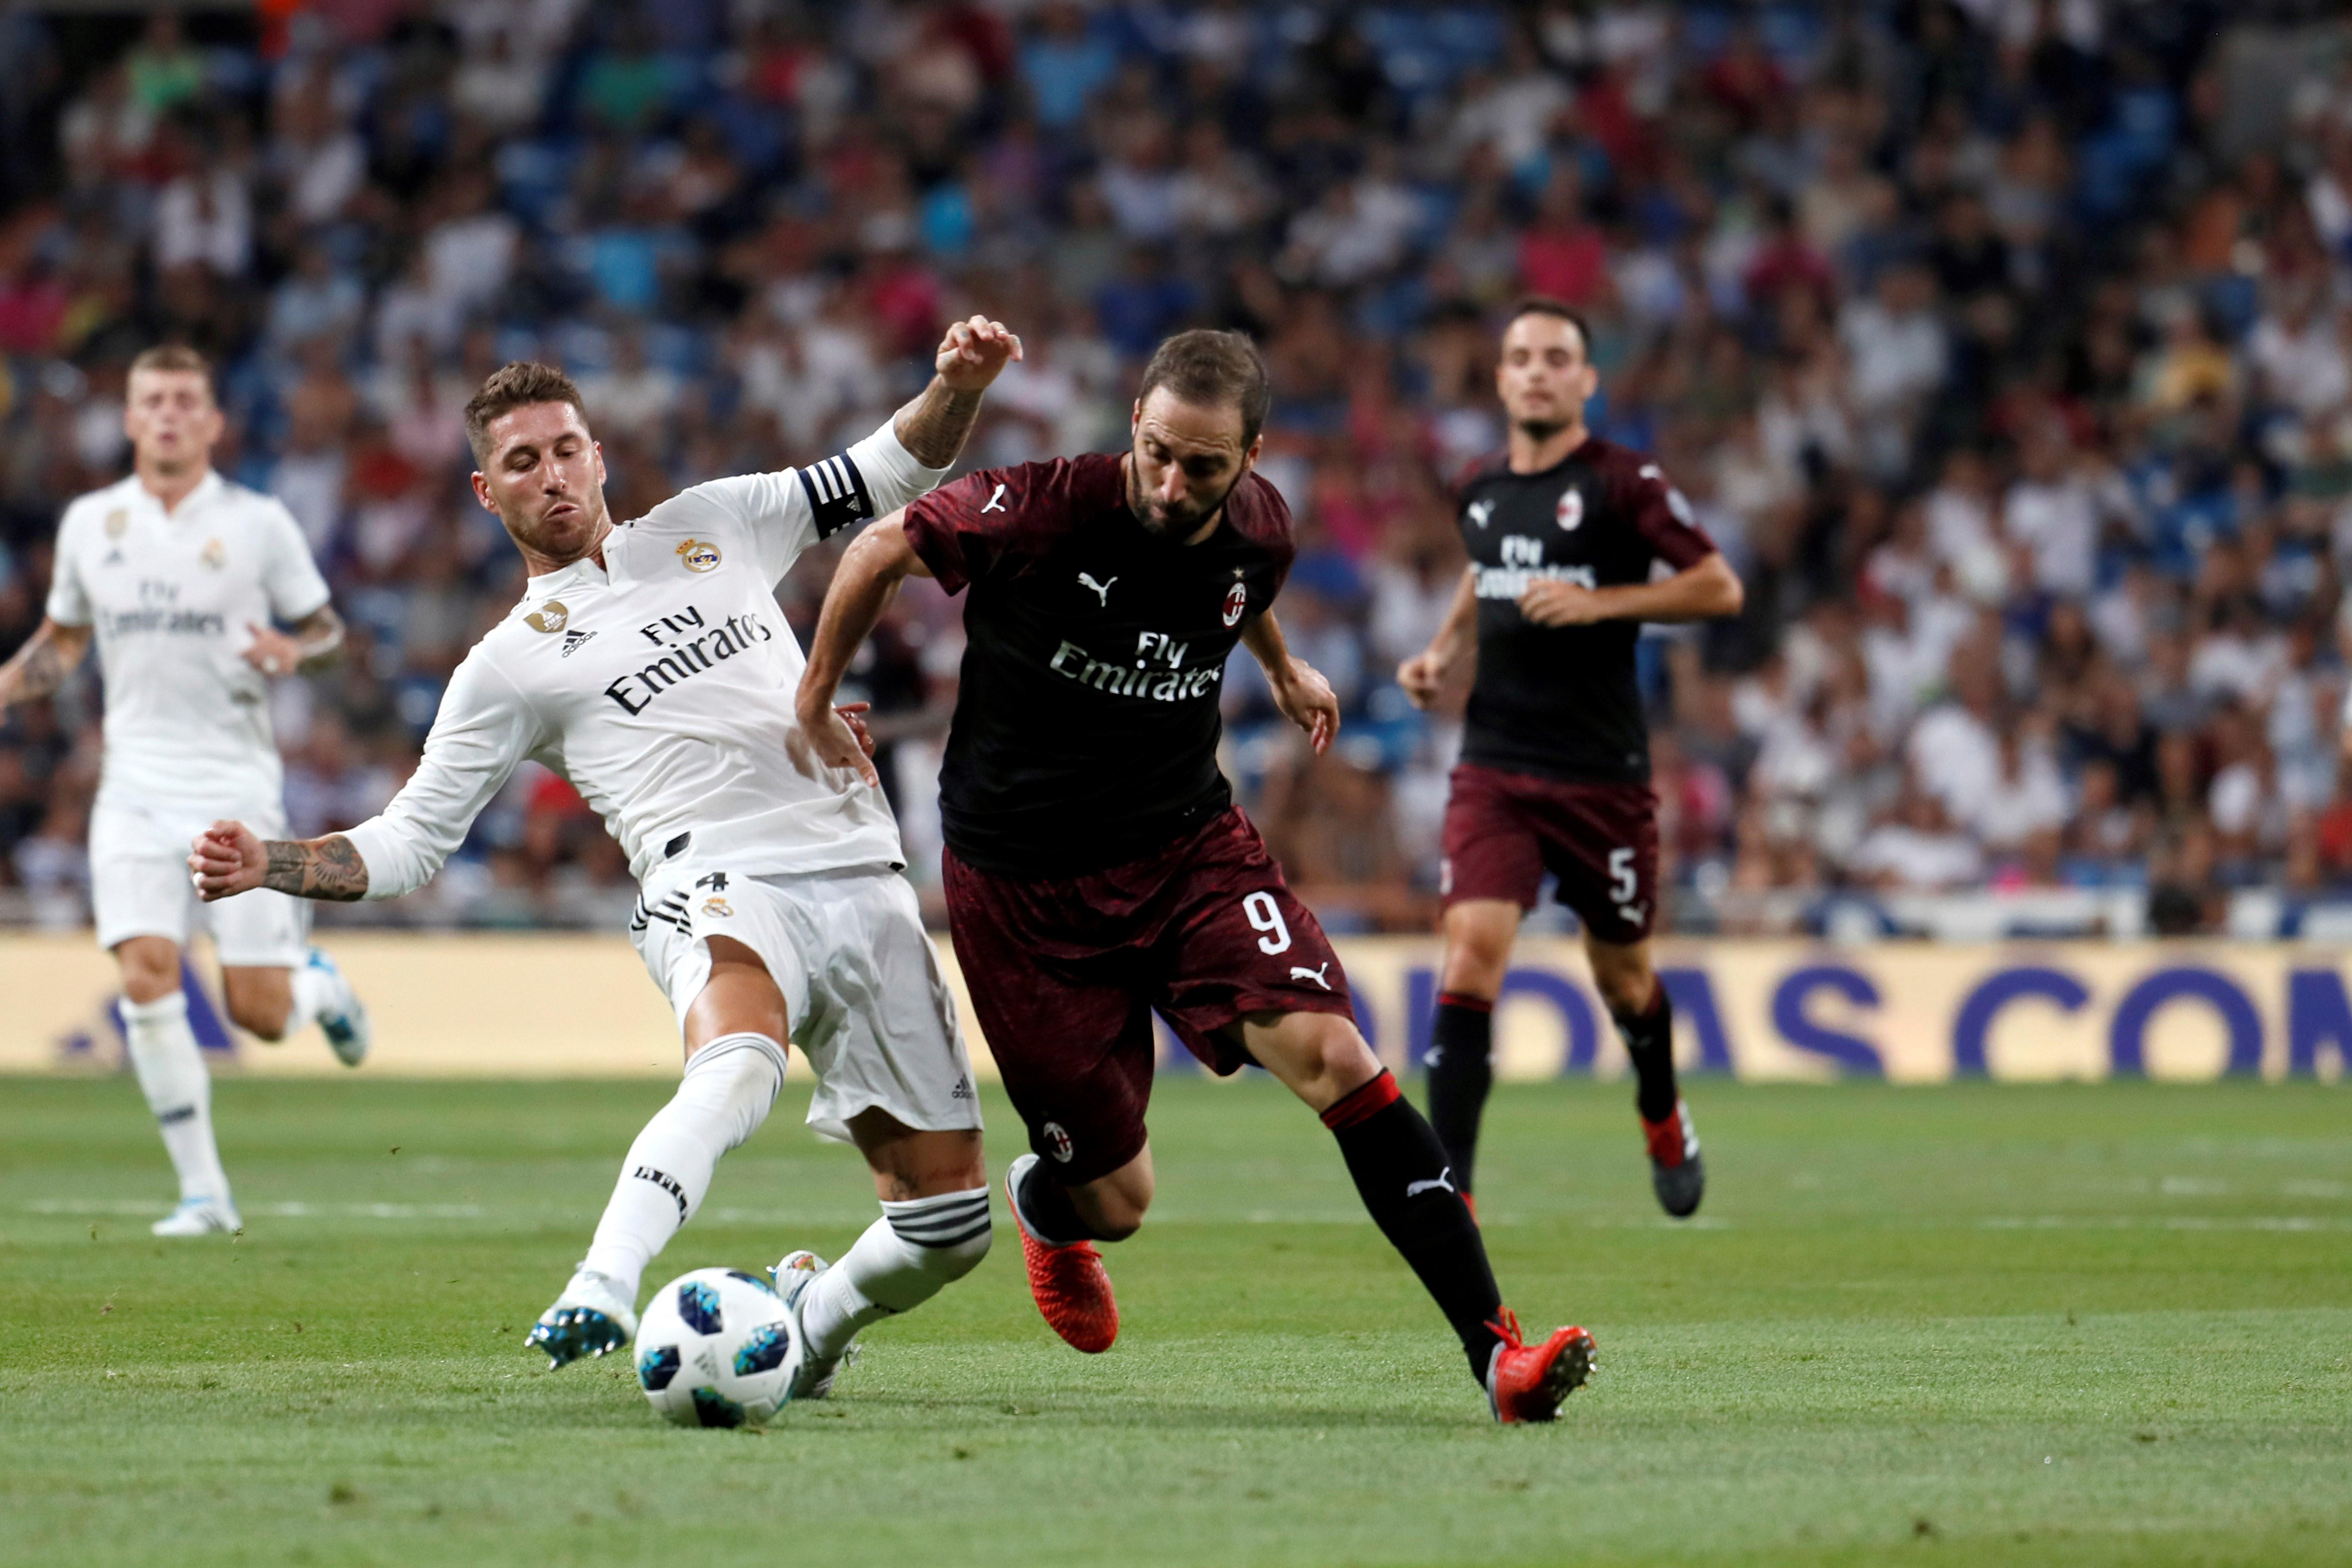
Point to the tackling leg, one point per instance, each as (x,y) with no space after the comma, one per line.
(935,1228)
(735,1066)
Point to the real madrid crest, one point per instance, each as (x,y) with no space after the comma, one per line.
(717,909)
(699,555)
(1570,511)
(215,554)
(117,523)
(548,618)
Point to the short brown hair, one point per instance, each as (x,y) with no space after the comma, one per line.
(1545,305)
(176,358)
(1208,369)
(511,386)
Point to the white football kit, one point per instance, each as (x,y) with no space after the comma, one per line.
(661,685)
(171,597)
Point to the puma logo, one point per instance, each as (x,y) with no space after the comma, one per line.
(995,502)
(1300,971)
(1481,510)
(1102,590)
(1442,1181)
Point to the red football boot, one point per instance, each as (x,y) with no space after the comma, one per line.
(1526,1383)
(1069,1283)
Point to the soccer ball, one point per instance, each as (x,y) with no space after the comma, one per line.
(718,1348)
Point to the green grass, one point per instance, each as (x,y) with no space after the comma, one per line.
(2074,1324)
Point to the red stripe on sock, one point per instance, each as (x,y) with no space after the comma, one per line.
(1462,999)
(1364,1103)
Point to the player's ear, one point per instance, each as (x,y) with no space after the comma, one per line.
(1135,416)
(482,494)
(598,447)
(1257,445)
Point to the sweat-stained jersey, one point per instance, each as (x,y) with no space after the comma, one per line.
(1085,724)
(172,599)
(661,685)
(1561,701)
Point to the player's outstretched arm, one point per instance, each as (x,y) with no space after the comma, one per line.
(1300,693)
(870,572)
(228,858)
(1423,676)
(933,427)
(1703,591)
(313,643)
(50,656)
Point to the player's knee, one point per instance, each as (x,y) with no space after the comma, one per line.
(1625,988)
(260,1019)
(1112,1214)
(150,967)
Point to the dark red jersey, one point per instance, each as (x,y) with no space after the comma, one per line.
(1086,726)
(1561,701)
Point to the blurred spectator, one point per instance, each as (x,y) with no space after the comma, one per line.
(2011,368)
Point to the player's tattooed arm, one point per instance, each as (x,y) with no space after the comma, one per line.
(933,427)
(1423,676)
(228,858)
(314,641)
(50,656)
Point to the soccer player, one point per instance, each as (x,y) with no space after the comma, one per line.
(1096,867)
(181,578)
(648,665)
(1563,529)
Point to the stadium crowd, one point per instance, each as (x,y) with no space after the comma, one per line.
(2020,398)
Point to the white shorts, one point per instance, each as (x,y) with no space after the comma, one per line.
(140,886)
(862,986)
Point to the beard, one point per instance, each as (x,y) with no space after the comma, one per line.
(1170,523)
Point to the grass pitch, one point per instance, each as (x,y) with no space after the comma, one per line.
(2104,1324)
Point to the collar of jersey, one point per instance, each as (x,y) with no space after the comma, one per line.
(206,489)
(581,574)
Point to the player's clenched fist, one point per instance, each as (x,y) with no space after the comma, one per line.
(225,860)
(973,352)
(1423,677)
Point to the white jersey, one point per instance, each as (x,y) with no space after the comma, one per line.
(661,685)
(173,597)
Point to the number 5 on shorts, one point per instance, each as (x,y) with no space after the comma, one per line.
(1266,915)
(1623,884)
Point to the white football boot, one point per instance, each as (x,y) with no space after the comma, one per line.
(793,1275)
(591,1318)
(200,1216)
(344,1018)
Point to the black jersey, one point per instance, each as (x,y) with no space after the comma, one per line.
(1561,701)
(1085,724)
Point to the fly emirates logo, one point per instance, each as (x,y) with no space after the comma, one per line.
(689,646)
(1156,671)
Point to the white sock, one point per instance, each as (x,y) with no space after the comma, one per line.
(171,1069)
(314,993)
(722,1098)
(902,1261)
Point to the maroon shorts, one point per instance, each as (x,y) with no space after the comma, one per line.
(1504,831)
(1064,974)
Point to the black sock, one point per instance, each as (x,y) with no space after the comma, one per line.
(1461,1071)
(1403,1174)
(1046,1207)
(1649,1038)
